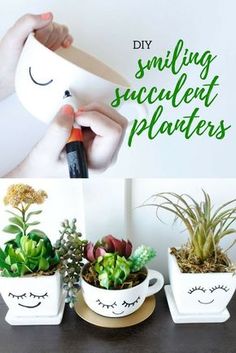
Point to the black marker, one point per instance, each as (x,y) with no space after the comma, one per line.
(76,156)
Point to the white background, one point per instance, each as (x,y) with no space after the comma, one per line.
(106,29)
(111,207)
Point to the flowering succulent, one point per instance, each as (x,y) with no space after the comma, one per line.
(31,250)
(112,266)
(108,244)
(19,194)
(21,197)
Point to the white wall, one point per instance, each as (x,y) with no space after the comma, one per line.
(106,29)
(64,201)
(111,206)
(98,205)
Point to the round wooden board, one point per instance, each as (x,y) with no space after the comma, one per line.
(138,316)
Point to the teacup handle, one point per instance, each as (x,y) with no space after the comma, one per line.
(156,287)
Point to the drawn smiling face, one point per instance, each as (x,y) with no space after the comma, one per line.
(118,308)
(21,297)
(205,296)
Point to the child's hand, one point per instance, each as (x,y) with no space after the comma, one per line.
(50,34)
(104,130)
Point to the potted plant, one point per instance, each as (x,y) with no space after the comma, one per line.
(114,282)
(202,276)
(32,271)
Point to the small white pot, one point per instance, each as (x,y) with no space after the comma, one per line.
(200,293)
(32,296)
(120,302)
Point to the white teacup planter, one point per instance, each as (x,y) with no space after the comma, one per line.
(198,297)
(121,302)
(33,300)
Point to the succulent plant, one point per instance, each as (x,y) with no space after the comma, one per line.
(112,270)
(33,254)
(142,255)
(21,197)
(70,248)
(112,266)
(206,228)
(31,250)
(108,244)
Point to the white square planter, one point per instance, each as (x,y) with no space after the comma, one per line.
(199,296)
(33,299)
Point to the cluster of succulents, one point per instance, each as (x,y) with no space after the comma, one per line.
(111,264)
(30,251)
(206,228)
(70,248)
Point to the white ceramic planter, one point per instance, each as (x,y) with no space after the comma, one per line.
(33,299)
(120,302)
(200,293)
(43,77)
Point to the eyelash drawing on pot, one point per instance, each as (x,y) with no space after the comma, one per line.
(39,83)
(196,289)
(106,305)
(39,296)
(225,288)
(222,287)
(130,304)
(22,296)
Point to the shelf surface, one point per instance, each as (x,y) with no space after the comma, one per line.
(158,334)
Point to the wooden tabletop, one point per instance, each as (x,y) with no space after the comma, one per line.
(158,334)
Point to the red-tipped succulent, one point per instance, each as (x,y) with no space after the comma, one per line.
(121,247)
(108,244)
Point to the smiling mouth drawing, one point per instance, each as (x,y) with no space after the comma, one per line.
(199,301)
(30,307)
(113,312)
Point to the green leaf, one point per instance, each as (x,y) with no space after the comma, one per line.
(32,224)
(3,265)
(17,220)
(38,232)
(11,229)
(43,264)
(14,214)
(2,255)
(33,213)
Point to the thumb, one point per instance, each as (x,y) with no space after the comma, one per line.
(27,24)
(57,134)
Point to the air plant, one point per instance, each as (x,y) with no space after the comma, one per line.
(112,266)
(206,228)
